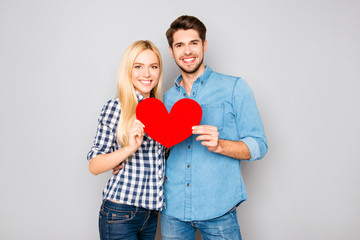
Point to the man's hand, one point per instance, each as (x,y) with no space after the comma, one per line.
(209,135)
(117,168)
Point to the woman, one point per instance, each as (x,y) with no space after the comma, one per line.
(134,195)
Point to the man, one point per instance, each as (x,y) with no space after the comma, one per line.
(204,183)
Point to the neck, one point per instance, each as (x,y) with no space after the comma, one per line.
(189,78)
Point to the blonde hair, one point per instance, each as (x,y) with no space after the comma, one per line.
(126,90)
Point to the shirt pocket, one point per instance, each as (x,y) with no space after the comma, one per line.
(213,114)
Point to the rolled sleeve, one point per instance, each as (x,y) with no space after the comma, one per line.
(253,148)
(105,139)
(249,125)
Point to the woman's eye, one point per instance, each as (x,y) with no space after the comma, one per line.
(137,66)
(154,67)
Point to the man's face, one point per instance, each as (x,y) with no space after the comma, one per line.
(188,50)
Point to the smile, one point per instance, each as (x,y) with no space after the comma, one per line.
(188,60)
(146,82)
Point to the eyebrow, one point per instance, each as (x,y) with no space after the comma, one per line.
(154,63)
(195,40)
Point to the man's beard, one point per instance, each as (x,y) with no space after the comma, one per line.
(192,71)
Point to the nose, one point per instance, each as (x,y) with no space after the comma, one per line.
(187,49)
(146,72)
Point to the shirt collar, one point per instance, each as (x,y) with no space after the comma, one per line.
(202,77)
(139,96)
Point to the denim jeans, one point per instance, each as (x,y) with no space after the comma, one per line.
(224,227)
(121,221)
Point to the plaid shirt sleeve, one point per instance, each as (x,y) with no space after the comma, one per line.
(105,139)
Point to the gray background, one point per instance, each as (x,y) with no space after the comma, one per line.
(58,64)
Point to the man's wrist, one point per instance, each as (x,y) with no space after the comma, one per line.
(219,148)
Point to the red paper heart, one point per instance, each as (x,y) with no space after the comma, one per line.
(169,129)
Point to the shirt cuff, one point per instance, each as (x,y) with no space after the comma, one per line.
(253,146)
(93,153)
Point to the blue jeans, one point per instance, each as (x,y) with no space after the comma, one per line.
(224,227)
(121,221)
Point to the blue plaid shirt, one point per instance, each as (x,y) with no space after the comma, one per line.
(140,181)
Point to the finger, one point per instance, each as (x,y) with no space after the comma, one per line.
(138,131)
(208,127)
(118,167)
(204,132)
(205,137)
(134,133)
(140,123)
(209,143)
(115,171)
(121,165)
(141,129)
(204,129)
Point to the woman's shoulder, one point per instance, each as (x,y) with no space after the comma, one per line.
(111,110)
(114,102)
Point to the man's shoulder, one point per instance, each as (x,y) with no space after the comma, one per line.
(228,77)
(227,81)
(234,85)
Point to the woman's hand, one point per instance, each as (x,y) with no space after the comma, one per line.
(136,135)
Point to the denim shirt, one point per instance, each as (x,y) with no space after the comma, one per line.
(200,184)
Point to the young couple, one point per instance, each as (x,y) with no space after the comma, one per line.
(203,183)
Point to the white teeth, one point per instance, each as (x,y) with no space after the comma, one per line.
(188,59)
(146,82)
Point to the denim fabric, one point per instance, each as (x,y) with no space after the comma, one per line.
(201,184)
(120,221)
(221,228)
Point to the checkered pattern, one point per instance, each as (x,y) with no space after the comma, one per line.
(140,181)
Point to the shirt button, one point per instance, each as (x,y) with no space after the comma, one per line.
(202,82)
(189,147)
(188,166)
(188,185)
(184,94)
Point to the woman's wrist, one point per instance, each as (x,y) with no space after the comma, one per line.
(129,150)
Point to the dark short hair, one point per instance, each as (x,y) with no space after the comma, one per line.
(186,22)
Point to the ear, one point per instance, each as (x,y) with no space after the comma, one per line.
(171,52)
(205,46)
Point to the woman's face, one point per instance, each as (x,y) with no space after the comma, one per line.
(145,72)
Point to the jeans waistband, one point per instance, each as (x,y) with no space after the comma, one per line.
(124,207)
